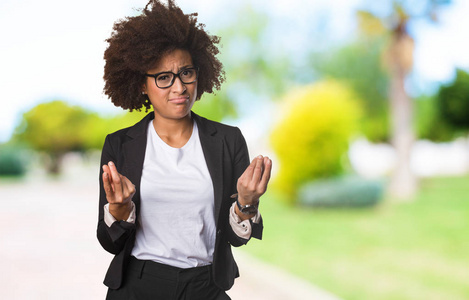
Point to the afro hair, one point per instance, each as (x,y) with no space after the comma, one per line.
(137,44)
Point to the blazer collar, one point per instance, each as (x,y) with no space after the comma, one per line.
(141,127)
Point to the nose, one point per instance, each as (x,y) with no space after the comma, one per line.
(178,86)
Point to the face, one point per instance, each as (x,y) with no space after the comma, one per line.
(176,101)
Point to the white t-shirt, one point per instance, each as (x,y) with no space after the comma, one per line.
(177,204)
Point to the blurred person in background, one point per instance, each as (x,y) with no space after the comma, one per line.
(176,190)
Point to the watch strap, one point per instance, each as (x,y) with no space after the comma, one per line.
(249,209)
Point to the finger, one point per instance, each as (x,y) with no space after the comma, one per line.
(107,187)
(116,179)
(108,171)
(256,176)
(129,186)
(247,174)
(265,175)
(267,160)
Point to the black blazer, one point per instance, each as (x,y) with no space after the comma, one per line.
(226,156)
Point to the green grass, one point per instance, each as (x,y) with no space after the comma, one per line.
(414,250)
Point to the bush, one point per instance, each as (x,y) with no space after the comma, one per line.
(348,191)
(12,161)
(313,137)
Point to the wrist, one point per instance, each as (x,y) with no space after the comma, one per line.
(244,208)
(120,211)
(241,215)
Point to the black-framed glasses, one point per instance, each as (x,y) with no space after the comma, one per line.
(164,80)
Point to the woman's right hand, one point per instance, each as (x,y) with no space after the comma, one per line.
(119,192)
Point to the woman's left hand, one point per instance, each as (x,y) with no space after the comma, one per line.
(253,182)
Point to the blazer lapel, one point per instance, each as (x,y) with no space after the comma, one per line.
(134,154)
(212,147)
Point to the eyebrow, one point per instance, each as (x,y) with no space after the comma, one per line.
(180,68)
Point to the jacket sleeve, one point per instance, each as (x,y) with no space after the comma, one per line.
(111,238)
(240,163)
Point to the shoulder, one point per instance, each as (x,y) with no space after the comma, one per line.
(212,127)
(122,135)
(231,136)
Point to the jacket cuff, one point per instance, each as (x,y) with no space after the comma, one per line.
(242,229)
(109,218)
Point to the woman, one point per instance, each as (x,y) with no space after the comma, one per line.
(176,190)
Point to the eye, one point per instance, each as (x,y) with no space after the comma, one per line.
(164,77)
(188,73)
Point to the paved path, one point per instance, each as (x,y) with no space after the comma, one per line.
(48,246)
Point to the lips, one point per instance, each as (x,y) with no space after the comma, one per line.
(179,100)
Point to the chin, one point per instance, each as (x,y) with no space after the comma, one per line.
(182,114)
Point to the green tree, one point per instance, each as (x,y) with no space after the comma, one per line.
(429,123)
(453,101)
(54,128)
(97,126)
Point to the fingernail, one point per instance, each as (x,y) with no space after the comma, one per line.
(111,163)
(259,157)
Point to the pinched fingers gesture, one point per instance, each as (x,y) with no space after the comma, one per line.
(253,182)
(119,189)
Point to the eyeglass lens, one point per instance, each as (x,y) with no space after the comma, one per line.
(166,79)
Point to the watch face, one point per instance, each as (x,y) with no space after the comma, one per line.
(249,210)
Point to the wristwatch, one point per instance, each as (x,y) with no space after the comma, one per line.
(249,209)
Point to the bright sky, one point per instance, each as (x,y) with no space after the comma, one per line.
(53,49)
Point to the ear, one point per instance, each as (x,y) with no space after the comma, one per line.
(144,88)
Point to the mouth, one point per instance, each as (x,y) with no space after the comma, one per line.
(179,100)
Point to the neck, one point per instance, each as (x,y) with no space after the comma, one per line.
(173,131)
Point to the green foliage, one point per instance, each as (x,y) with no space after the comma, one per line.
(453,101)
(12,161)
(428,121)
(312,137)
(97,127)
(53,127)
(360,65)
(444,116)
(215,106)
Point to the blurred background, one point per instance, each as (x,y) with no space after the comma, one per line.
(362,105)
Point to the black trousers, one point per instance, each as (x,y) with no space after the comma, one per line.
(146,279)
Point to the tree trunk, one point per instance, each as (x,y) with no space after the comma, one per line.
(54,165)
(403,182)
